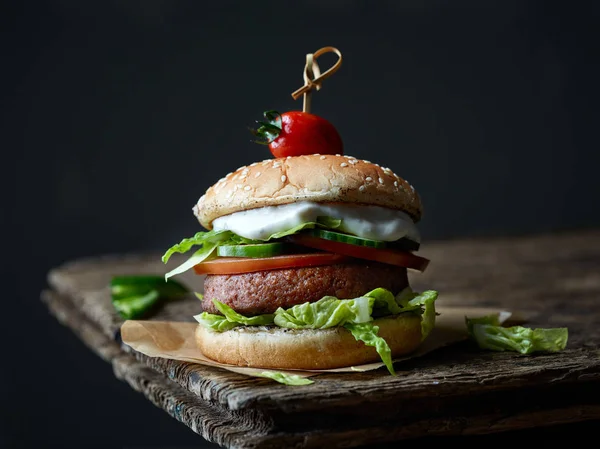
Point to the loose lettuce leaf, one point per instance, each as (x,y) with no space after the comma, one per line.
(287,379)
(325,313)
(489,334)
(367,333)
(493,320)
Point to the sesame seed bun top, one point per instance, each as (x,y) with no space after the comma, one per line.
(317,178)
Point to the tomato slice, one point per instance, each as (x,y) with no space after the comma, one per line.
(238,265)
(389,256)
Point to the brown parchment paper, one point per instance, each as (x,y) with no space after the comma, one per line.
(175,340)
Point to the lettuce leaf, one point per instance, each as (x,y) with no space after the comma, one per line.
(200,238)
(426,301)
(325,222)
(218,323)
(201,255)
(423,302)
(493,320)
(367,333)
(234,317)
(329,222)
(325,313)
(208,242)
(385,303)
(487,332)
(230,318)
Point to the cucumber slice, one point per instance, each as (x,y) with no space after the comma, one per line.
(346,238)
(254,250)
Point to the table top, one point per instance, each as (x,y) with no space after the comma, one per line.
(553,280)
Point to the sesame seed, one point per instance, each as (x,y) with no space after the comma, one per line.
(352,161)
(395,183)
(289,157)
(267,162)
(243,175)
(322,157)
(229,194)
(247,188)
(380,181)
(235,187)
(253,164)
(283,178)
(229,174)
(257,174)
(338,154)
(412,188)
(367,162)
(276,164)
(368,179)
(362,188)
(343,164)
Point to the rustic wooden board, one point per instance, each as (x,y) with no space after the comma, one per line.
(553,279)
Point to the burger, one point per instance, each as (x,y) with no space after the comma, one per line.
(305,259)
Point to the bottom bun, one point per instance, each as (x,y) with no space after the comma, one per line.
(282,348)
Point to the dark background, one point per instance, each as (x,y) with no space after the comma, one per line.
(117,115)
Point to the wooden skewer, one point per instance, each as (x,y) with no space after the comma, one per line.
(313,78)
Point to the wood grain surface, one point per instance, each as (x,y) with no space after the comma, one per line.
(553,280)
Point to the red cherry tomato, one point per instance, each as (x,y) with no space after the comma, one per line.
(304,133)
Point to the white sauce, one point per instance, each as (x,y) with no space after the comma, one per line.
(371,222)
